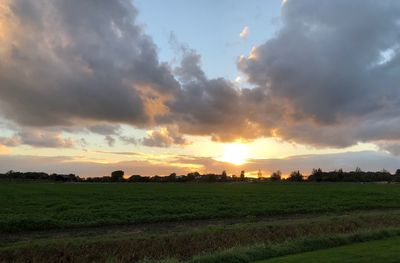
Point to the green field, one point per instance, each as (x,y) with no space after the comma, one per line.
(220,222)
(387,251)
(30,206)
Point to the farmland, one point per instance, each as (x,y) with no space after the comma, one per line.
(220,222)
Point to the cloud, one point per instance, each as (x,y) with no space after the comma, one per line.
(110,140)
(328,77)
(10,141)
(121,153)
(105,129)
(244,33)
(165,137)
(37,138)
(91,65)
(212,107)
(68,62)
(391,147)
(324,71)
(111,132)
(128,139)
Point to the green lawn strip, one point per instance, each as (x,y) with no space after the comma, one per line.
(268,251)
(184,244)
(43,206)
(387,251)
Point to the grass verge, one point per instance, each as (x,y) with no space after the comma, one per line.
(267,251)
(387,251)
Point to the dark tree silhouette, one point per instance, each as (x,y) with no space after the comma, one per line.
(316,175)
(242,176)
(295,176)
(117,176)
(224,176)
(172,177)
(276,176)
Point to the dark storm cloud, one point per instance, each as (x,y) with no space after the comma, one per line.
(334,65)
(63,61)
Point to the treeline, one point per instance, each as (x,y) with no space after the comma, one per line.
(11,175)
(118,176)
(358,175)
(317,175)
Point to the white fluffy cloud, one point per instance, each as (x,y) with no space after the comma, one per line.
(244,33)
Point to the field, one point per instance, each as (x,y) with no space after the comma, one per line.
(374,251)
(232,222)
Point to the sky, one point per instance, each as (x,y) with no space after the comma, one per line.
(155,87)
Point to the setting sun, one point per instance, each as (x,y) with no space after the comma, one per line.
(235,153)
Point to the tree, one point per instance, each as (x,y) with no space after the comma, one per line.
(224,176)
(193,176)
(295,176)
(316,175)
(135,178)
(172,177)
(397,176)
(242,176)
(117,176)
(276,176)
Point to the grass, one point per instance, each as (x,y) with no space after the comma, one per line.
(55,222)
(43,206)
(292,246)
(206,244)
(387,251)
(114,251)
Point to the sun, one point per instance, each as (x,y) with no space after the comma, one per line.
(235,153)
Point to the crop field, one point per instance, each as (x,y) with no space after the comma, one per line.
(34,206)
(219,222)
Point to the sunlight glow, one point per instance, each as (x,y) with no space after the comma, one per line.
(235,153)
